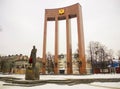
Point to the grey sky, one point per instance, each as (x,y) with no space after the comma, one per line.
(22,24)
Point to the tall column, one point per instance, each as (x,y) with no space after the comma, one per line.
(56,47)
(44,46)
(69,49)
(81,48)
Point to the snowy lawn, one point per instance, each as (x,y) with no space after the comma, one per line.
(94,85)
(62,77)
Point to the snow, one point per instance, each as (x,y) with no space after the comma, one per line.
(63,77)
(81,86)
(94,85)
(60,77)
(107,85)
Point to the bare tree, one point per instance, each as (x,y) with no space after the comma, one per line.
(50,65)
(110,54)
(92,53)
(97,53)
(118,54)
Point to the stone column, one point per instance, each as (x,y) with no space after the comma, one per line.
(81,47)
(69,50)
(44,46)
(56,46)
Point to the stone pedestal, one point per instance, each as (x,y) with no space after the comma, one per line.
(32,74)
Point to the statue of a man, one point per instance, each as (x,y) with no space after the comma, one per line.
(32,59)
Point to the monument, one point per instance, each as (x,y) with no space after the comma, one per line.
(32,72)
(65,13)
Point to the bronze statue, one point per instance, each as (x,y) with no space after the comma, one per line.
(32,73)
(32,59)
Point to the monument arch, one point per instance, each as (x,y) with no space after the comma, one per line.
(65,13)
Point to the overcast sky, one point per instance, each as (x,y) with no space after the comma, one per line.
(22,24)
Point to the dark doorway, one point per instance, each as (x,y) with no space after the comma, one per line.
(61,71)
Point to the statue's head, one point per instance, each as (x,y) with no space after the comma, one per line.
(33,46)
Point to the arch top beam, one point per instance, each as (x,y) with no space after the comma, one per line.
(61,13)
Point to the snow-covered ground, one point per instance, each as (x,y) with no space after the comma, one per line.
(94,85)
(62,77)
